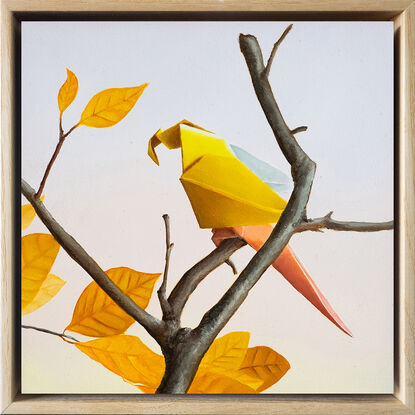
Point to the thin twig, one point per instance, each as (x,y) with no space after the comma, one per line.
(274,50)
(153,325)
(49,167)
(299,129)
(327,222)
(165,305)
(232,265)
(61,335)
(70,130)
(55,154)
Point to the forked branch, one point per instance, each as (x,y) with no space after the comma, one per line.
(274,50)
(294,218)
(302,169)
(195,275)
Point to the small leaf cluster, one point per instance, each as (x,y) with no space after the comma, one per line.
(105,109)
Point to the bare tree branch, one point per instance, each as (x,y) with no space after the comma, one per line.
(165,305)
(195,275)
(302,170)
(286,140)
(49,167)
(183,348)
(61,335)
(79,255)
(299,129)
(274,50)
(326,222)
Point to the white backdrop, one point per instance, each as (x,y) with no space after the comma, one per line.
(337,78)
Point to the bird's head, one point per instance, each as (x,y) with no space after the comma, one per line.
(170,138)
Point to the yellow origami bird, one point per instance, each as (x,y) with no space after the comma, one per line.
(237,198)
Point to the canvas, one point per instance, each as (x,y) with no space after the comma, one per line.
(184,232)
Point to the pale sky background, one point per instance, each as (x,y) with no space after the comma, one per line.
(335,77)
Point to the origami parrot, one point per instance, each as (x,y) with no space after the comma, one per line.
(235,194)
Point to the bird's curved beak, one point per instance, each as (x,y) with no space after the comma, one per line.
(152,144)
(171,138)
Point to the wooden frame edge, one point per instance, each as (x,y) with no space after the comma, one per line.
(210,405)
(390,6)
(403,400)
(405,24)
(8,387)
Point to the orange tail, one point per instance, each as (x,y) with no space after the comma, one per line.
(288,265)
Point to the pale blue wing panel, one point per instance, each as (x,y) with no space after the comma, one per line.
(274,178)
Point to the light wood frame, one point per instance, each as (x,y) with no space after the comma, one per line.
(402,12)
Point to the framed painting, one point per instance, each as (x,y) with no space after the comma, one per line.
(177,169)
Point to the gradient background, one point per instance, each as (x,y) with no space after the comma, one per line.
(337,78)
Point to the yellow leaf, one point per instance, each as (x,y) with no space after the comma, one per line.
(138,365)
(127,356)
(28,214)
(219,369)
(211,382)
(68,91)
(50,287)
(226,355)
(227,352)
(110,106)
(39,251)
(97,315)
(265,364)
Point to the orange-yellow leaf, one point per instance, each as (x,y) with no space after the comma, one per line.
(68,91)
(127,356)
(28,214)
(50,287)
(138,365)
(226,355)
(227,352)
(39,251)
(110,106)
(97,315)
(265,364)
(212,382)
(220,366)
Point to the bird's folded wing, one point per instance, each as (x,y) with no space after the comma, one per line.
(273,177)
(224,192)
